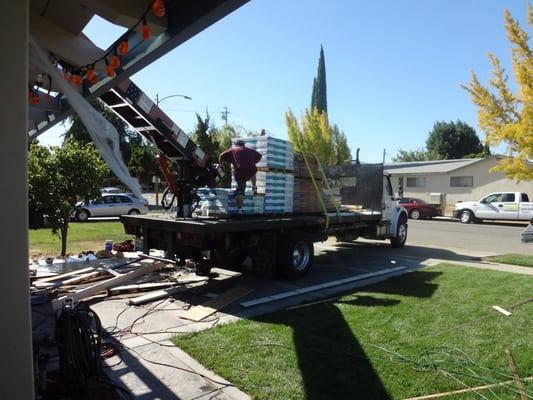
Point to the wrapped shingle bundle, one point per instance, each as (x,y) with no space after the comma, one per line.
(277,188)
(306,197)
(277,154)
(300,167)
(215,202)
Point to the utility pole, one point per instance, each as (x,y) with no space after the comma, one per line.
(225,114)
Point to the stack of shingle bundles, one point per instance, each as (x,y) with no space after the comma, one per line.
(300,167)
(214,202)
(277,189)
(277,154)
(305,196)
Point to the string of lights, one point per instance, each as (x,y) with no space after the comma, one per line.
(111,58)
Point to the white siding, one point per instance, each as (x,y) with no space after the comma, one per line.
(484,182)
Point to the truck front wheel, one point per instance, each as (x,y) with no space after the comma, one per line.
(401,233)
(295,256)
(466,216)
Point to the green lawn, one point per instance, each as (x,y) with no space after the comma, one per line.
(515,259)
(425,332)
(81,237)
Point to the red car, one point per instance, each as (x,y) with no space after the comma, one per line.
(417,208)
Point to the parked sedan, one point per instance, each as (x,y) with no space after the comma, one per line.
(110,205)
(418,208)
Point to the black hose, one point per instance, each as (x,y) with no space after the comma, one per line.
(79,342)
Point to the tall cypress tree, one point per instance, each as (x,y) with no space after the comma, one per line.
(319,97)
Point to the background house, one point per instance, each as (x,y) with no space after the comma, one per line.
(460,180)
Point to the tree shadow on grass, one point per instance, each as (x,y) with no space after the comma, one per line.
(332,362)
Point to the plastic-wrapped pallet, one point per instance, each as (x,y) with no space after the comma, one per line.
(215,202)
(277,189)
(277,153)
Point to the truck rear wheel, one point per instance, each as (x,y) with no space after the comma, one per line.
(401,233)
(295,255)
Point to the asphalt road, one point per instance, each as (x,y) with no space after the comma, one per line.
(472,239)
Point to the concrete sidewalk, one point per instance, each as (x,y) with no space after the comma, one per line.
(514,269)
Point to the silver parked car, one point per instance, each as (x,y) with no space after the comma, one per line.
(110,205)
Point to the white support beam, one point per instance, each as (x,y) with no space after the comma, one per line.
(16,379)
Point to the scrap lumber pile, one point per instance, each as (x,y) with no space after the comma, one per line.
(160,277)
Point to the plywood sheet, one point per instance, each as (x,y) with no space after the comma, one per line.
(198,313)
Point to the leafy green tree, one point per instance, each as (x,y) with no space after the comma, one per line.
(314,135)
(504,116)
(319,97)
(340,144)
(58,178)
(207,137)
(143,164)
(215,140)
(411,155)
(451,140)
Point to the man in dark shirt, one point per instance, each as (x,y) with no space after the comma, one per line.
(243,160)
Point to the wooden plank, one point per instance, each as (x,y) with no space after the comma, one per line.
(66,275)
(141,286)
(518,382)
(161,294)
(78,295)
(502,310)
(197,313)
(472,389)
(71,281)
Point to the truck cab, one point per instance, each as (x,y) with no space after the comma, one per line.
(512,206)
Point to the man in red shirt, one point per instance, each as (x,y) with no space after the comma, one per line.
(243,160)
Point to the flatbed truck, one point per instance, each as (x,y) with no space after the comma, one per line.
(271,244)
(282,244)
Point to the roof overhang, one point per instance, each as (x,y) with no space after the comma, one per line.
(57,26)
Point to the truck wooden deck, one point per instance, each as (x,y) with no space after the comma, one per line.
(272,244)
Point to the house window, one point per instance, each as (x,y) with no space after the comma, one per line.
(461,181)
(419,181)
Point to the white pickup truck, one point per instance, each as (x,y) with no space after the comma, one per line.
(514,206)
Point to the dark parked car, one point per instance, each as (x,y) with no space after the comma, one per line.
(418,208)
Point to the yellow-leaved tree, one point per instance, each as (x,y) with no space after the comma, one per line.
(316,136)
(507,117)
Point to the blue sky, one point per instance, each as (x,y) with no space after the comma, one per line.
(393,68)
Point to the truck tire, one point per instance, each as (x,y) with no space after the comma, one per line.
(295,255)
(466,217)
(401,233)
